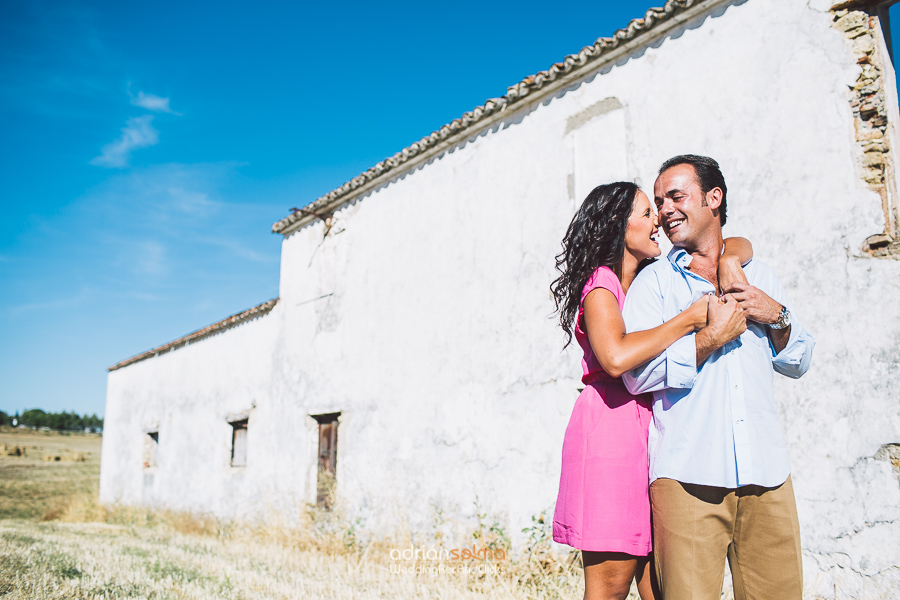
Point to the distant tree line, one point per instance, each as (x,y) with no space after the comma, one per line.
(61,421)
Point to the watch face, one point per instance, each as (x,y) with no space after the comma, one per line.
(784,319)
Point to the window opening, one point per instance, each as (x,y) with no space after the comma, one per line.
(151,447)
(239,443)
(327,459)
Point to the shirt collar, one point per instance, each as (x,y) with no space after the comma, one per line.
(680,258)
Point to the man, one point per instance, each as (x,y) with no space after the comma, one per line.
(720,479)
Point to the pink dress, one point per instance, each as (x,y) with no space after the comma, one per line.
(603,503)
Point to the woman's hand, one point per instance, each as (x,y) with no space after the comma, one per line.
(729,272)
(696,313)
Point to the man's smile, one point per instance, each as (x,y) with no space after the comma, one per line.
(673,223)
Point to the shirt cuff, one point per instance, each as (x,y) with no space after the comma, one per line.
(681,363)
(798,346)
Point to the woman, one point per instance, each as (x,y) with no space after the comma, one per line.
(603,507)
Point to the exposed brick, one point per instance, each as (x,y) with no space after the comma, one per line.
(869,134)
(873,159)
(867,101)
(863,44)
(852,21)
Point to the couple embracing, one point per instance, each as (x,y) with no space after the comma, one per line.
(679,377)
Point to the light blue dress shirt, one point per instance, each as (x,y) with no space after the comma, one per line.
(717,425)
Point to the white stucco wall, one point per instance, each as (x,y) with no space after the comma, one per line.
(424,316)
(188,396)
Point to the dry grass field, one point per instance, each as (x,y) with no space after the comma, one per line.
(57,542)
(38,486)
(100,560)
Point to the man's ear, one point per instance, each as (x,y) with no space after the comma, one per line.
(714,198)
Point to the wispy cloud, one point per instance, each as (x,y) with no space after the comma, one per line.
(51,305)
(192,202)
(160,234)
(239,249)
(150,258)
(138,133)
(153,102)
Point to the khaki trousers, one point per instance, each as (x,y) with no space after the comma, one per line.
(696,526)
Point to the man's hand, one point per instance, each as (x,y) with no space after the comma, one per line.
(726,322)
(757,305)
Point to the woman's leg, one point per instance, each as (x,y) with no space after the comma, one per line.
(645,574)
(608,575)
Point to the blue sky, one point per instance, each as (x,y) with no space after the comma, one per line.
(148,148)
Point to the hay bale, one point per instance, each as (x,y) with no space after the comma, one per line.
(13,450)
(67,457)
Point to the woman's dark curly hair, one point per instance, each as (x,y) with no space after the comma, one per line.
(595,238)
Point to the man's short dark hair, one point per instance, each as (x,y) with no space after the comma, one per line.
(709,175)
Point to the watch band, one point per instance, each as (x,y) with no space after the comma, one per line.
(784,319)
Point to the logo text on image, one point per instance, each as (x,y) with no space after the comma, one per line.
(442,554)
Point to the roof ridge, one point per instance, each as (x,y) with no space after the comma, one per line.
(226,323)
(514,94)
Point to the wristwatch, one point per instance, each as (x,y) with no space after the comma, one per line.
(784,319)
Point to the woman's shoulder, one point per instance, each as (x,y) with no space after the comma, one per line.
(604,278)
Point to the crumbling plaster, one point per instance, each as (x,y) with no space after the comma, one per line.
(872,97)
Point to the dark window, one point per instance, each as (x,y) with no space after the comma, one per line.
(325,478)
(239,443)
(151,445)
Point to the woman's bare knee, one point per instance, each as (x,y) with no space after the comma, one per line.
(608,575)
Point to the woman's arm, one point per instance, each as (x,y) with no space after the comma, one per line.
(738,252)
(619,352)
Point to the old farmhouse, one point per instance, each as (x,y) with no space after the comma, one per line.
(409,364)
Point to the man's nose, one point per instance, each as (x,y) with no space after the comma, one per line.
(665,207)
